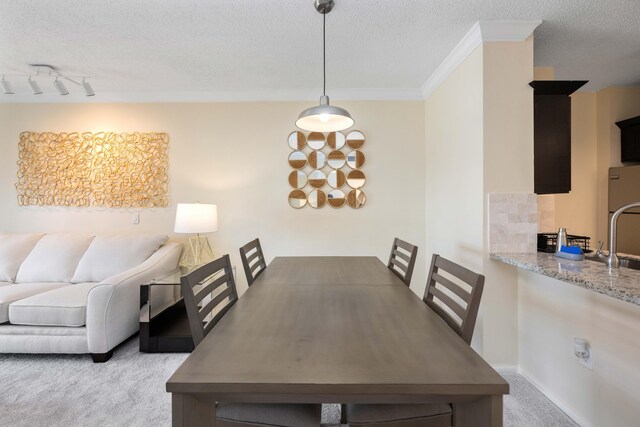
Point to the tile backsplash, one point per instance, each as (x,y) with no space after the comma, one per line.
(513,222)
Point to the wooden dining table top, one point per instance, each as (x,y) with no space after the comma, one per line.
(341,328)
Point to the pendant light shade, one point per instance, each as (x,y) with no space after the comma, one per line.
(324,117)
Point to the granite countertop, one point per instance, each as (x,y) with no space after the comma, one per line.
(621,283)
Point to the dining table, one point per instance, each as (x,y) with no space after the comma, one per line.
(335,329)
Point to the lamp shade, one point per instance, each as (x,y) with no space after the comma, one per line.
(195,218)
(324,118)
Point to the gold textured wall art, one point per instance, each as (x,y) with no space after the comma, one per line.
(106,169)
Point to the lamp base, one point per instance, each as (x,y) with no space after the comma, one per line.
(196,253)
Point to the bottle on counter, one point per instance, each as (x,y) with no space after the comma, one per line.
(562,239)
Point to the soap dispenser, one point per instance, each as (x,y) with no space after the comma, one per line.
(561,240)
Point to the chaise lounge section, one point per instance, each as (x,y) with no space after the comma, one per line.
(76,293)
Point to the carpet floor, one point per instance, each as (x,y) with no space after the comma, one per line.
(129,390)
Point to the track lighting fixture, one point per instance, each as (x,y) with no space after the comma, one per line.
(60,87)
(6,87)
(43,71)
(35,87)
(86,86)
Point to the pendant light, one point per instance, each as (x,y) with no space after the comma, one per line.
(324,117)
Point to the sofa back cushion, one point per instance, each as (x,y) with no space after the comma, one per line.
(109,255)
(54,258)
(14,248)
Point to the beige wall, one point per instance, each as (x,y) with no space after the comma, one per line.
(479,137)
(235,155)
(508,167)
(551,314)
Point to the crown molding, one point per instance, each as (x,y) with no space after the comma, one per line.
(374,94)
(481,32)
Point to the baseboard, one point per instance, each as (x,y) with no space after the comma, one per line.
(506,369)
(554,399)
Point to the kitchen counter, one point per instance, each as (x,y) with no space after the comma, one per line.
(621,283)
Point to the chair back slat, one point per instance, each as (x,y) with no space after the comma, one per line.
(402,260)
(198,285)
(457,307)
(252,260)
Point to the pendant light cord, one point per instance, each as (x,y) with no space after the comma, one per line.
(324,54)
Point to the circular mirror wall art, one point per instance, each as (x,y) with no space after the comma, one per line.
(336,178)
(336,159)
(356,199)
(336,140)
(336,198)
(356,178)
(317,199)
(316,140)
(326,169)
(297,159)
(317,179)
(297,140)
(297,199)
(297,179)
(317,159)
(355,139)
(355,159)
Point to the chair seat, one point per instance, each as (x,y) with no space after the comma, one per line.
(270,414)
(370,414)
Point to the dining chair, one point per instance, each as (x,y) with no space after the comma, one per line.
(209,292)
(403,259)
(453,293)
(252,260)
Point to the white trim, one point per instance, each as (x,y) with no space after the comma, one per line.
(312,95)
(482,31)
(506,369)
(555,399)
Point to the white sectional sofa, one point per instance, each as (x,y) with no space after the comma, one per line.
(76,293)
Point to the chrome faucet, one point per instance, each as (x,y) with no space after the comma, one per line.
(612,260)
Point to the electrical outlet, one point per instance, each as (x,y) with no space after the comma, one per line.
(135,219)
(587,362)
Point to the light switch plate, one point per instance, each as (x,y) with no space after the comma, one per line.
(135,219)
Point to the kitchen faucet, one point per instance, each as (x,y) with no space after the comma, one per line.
(612,260)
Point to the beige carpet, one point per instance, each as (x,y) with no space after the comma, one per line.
(129,390)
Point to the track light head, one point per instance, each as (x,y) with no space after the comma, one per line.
(6,87)
(60,87)
(35,87)
(88,90)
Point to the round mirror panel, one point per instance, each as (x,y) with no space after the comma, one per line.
(297,140)
(336,159)
(297,199)
(317,179)
(336,198)
(356,199)
(317,199)
(316,140)
(317,159)
(297,159)
(355,179)
(355,139)
(297,179)
(355,159)
(336,179)
(336,140)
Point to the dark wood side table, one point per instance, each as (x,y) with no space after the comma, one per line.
(164,326)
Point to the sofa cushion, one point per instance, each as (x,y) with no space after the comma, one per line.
(11,292)
(14,248)
(110,255)
(59,307)
(54,258)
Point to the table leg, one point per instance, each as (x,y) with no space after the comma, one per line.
(189,411)
(484,412)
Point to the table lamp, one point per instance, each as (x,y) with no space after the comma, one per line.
(194,219)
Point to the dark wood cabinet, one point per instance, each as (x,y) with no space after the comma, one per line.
(552,135)
(630,139)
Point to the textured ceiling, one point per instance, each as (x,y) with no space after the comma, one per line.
(259,48)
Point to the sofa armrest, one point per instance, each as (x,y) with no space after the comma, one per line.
(113,306)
